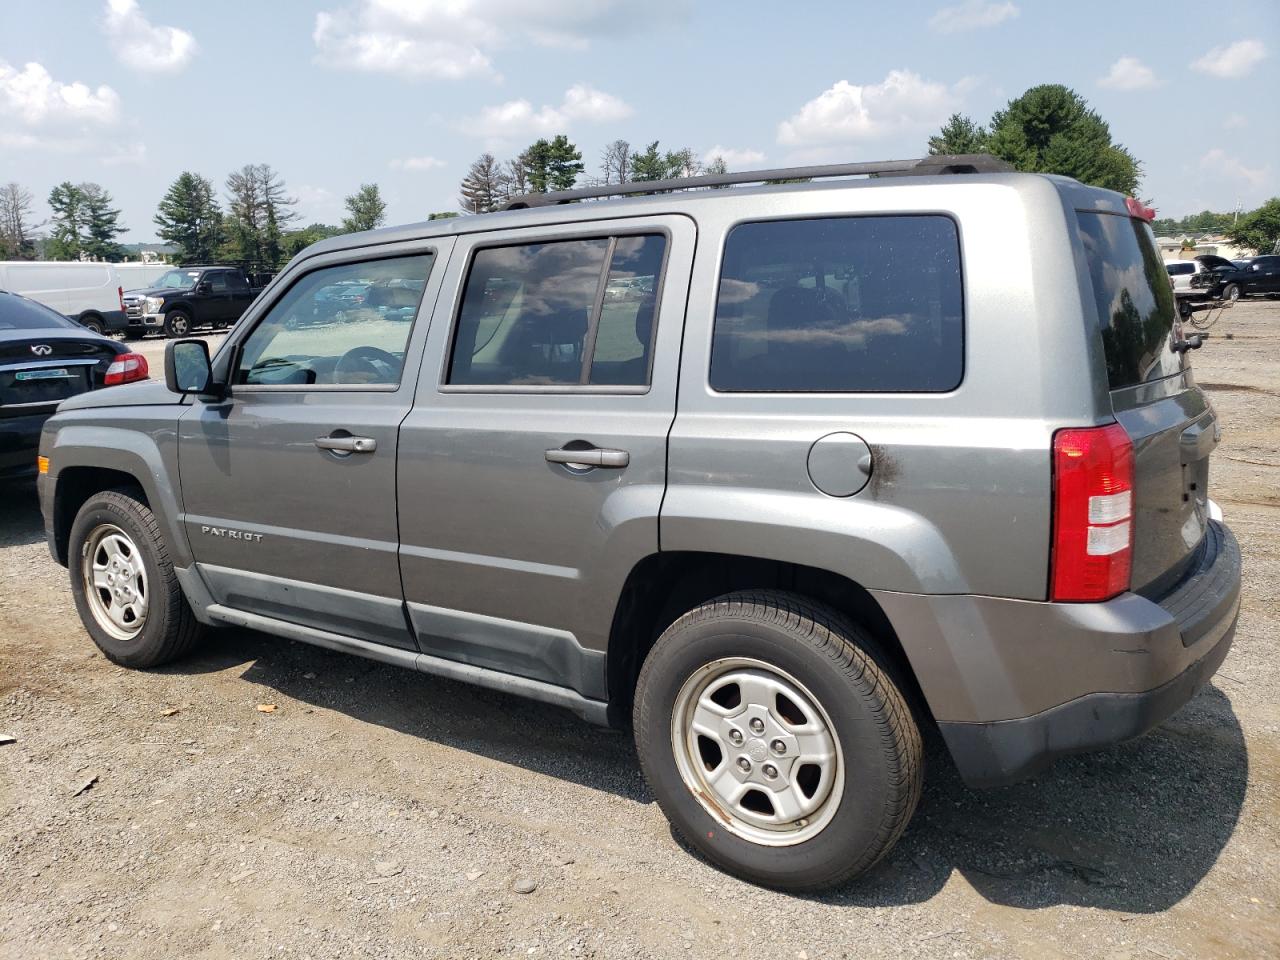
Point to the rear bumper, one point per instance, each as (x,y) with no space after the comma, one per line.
(1015,684)
(19,441)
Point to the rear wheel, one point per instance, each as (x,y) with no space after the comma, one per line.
(123,582)
(776,740)
(94,324)
(177,323)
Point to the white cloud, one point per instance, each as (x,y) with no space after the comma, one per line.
(734,157)
(141,46)
(972,15)
(1129,73)
(846,112)
(35,99)
(1223,164)
(519,117)
(416,163)
(1233,60)
(1234,121)
(454,39)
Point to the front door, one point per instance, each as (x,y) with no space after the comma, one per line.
(289,484)
(533,464)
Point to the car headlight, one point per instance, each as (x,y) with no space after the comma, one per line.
(153,304)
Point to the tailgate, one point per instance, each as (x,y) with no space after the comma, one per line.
(1170,421)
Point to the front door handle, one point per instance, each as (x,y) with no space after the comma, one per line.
(347,444)
(590,457)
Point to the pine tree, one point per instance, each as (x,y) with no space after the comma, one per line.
(102,224)
(258,208)
(69,224)
(483,189)
(366,208)
(189,218)
(959,135)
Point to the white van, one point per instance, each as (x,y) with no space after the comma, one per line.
(88,293)
(136,275)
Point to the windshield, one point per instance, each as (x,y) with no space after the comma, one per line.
(1135,302)
(177,279)
(19,313)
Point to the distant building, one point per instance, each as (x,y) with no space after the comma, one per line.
(1172,248)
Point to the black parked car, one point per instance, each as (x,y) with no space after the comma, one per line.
(45,358)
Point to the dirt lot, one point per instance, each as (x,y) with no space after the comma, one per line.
(379,813)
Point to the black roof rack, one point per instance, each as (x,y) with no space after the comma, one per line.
(923,167)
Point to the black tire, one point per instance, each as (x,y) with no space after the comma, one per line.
(1231,292)
(170,629)
(1184,309)
(94,324)
(177,324)
(851,681)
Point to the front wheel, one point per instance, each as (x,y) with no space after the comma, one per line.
(177,323)
(123,583)
(1232,292)
(777,741)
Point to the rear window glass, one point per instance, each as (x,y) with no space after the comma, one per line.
(1133,296)
(840,305)
(19,313)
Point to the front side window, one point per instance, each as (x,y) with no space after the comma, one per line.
(305,339)
(844,305)
(567,312)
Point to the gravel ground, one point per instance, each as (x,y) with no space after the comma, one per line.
(380,813)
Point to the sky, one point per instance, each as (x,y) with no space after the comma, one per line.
(406,93)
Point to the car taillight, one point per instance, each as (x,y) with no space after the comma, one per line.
(1092,513)
(126,368)
(120,297)
(1139,209)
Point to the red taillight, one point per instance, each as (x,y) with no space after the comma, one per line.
(1139,209)
(126,368)
(1092,513)
(120,297)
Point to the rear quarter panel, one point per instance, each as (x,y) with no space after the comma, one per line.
(959,498)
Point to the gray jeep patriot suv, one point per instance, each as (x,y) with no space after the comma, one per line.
(778,475)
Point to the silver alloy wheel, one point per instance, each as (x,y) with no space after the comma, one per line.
(115,582)
(1233,293)
(179,325)
(758,751)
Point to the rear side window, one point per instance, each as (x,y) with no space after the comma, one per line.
(849,304)
(1134,300)
(568,312)
(1180,269)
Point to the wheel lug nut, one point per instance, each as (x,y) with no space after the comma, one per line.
(744,764)
(735,737)
(757,725)
(778,747)
(770,770)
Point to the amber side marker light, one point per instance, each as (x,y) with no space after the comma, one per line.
(42,465)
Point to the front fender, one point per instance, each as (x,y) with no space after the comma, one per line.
(146,450)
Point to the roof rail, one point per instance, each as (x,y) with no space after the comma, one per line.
(922,167)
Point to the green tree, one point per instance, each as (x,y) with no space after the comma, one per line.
(189,218)
(652,164)
(366,209)
(294,242)
(442,215)
(68,227)
(1259,230)
(959,135)
(551,164)
(1051,129)
(102,224)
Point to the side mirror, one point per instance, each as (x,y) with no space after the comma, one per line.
(204,286)
(187,368)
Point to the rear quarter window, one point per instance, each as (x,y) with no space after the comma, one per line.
(840,305)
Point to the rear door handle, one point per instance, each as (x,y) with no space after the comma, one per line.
(347,444)
(590,457)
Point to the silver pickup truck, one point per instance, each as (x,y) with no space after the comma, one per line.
(778,475)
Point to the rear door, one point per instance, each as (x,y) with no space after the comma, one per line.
(289,484)
(1170,421)
(533,465)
